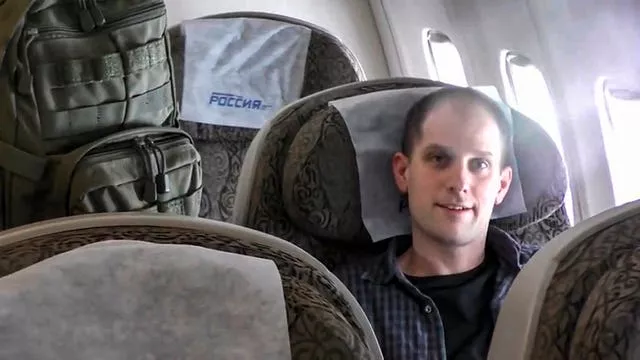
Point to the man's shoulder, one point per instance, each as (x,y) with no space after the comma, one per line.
(357,268)
(362,274)
(510,248)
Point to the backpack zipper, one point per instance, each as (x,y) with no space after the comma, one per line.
(96,14)
(142,13)
(92,18)
(87,23)
(162,181)
(149,191)
(90,15)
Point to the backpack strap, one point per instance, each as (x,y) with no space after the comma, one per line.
(12,159)
(12,14)
(21,163)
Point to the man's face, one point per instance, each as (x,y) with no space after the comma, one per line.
(454,176)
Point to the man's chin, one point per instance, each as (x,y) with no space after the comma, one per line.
(453,242)
(450,236)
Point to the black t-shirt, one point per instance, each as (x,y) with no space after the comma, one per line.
(463,301)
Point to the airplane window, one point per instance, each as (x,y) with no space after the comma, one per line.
(443,59)
(619,110)
(527,91)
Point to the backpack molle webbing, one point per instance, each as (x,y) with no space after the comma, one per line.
(88,112)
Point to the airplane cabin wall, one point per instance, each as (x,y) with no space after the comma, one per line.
(349,20)
(585,40)
(491,26)
(571,42)
(400,23)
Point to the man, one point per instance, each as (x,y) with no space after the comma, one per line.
(436,294)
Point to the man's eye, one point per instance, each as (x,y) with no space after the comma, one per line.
(480,164)
(437,158)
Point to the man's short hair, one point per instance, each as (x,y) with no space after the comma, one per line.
(420,111)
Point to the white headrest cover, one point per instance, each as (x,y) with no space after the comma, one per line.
(241,71)
(135,300)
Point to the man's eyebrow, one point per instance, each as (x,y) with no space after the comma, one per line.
(431,149)
(437,147)
(484,153)
(449,150)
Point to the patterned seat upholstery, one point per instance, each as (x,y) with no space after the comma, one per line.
(324,320)
(300,180)
(329,63)
(579,297)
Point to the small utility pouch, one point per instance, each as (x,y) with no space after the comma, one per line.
(145,169)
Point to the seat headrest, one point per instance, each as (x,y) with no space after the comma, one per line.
(135,300)
(323,178)
(330,62)
(240,71)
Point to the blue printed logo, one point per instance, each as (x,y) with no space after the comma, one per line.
(237,101)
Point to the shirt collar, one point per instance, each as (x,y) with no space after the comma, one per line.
(385,268)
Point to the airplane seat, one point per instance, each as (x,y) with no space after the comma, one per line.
(328,63)
(542,231)
(552,219)
(301,180)
(148,286)
(579,296)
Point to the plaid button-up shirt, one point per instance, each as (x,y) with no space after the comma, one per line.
(407,322)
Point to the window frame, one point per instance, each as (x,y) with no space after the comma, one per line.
(507,78)
(604,89)
(430,36)
(509,58)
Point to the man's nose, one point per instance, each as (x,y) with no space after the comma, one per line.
(458,178)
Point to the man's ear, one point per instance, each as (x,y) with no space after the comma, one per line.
(506,175)
(400,167)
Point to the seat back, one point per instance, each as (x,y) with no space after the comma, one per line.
(579,296)
(135,300)
(541,231)
(323,318)
(301,181)
(329,63)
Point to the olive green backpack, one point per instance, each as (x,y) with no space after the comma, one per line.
(88,113)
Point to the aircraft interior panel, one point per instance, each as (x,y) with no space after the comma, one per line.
(295,185)
(555,36)
(349,21)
